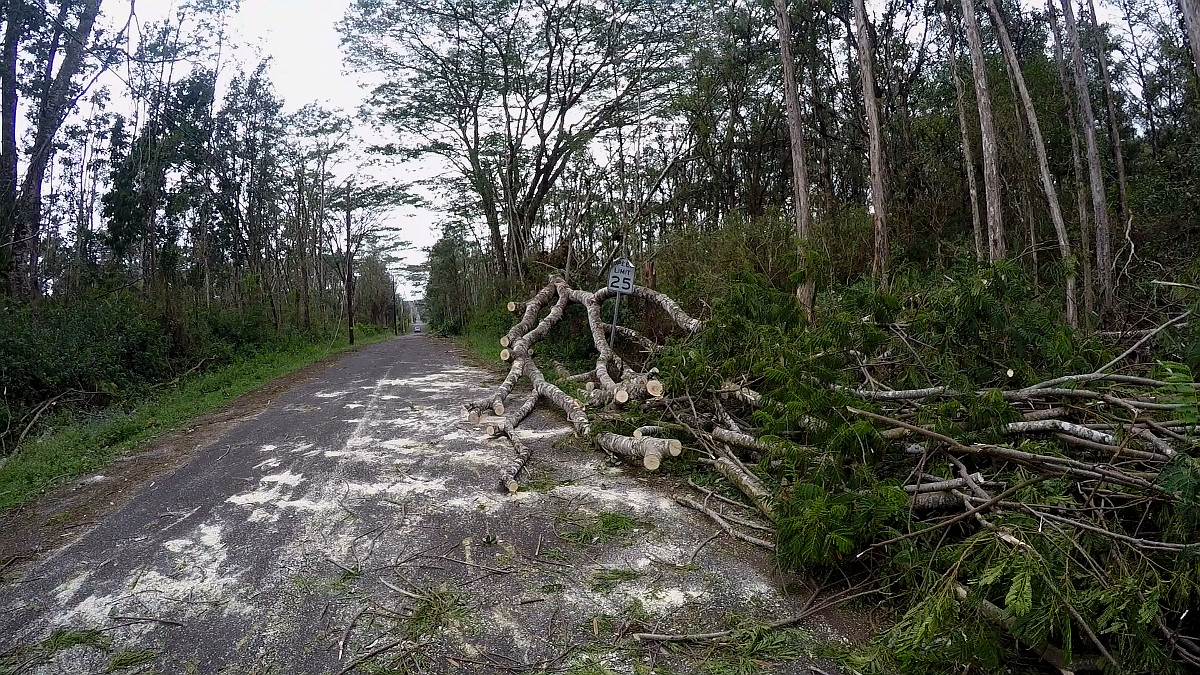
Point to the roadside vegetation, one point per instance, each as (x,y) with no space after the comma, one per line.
(111,398)
(170,237)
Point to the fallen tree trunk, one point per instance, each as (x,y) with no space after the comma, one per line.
(508,477)
(650,450)
(748,484)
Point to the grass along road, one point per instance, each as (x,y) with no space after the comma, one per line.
(82,444)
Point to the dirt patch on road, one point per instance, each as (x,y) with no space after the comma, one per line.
(67,511)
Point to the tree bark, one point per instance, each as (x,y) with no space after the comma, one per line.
(1081,192)
(1039,146)
(795,122)
(8,133)
(647,448)
(1114,128)
(51,112)
(349,271)
(987,128)
(967,152)
(1095,180)
(866,71)
(1191,19)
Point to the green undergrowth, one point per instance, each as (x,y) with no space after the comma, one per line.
(74,442)
(568,343)
(837,482)
(29,657)
(603,527)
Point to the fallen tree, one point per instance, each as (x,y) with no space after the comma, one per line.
(810,454)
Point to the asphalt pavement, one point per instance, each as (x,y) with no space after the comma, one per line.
(356,523)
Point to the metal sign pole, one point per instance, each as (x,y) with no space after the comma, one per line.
(620,279)
(612,338)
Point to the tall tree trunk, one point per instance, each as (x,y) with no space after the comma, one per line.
(1081,191)
(866,71)
(987,128)
(1191,18)
(349,272)
(1114,129)
(791,97)
(8,133)
(1039,146)
(967,152)
(51,113)
(1087,120)
(302,219)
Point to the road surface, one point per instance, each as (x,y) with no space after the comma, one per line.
(356,519)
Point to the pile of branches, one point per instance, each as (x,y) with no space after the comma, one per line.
(612,382)
(1062,513)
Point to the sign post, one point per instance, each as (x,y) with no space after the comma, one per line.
(620,279)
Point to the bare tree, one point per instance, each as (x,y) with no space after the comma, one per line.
(967,153)
(1114,129)
(1087,119)
(795,122)
(1081,190)
(866,71)
(1039,146)
(987,128)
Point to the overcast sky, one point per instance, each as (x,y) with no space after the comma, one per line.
(302,40)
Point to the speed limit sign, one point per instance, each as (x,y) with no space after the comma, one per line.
(620,276)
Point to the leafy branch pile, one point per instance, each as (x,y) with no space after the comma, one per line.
(926,446)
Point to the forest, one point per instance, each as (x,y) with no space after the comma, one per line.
(163,217)
(918,279)
(918,283)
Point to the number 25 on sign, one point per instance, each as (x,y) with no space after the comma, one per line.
(620,276)
(620,279)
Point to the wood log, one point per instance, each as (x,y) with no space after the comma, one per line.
(502,427)
(943,485)
(595,324)
(1049,653)
(647,431)
(647,345)
(1059,426)
(749,485)
(655,388)
(531,308)
(572,408)
(669,306)
(929,501)
(649,450)
(739,439)
(508,477)
(495,400)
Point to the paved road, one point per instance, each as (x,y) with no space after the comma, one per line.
(358,510)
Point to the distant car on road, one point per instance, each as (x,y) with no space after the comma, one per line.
(417,328)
